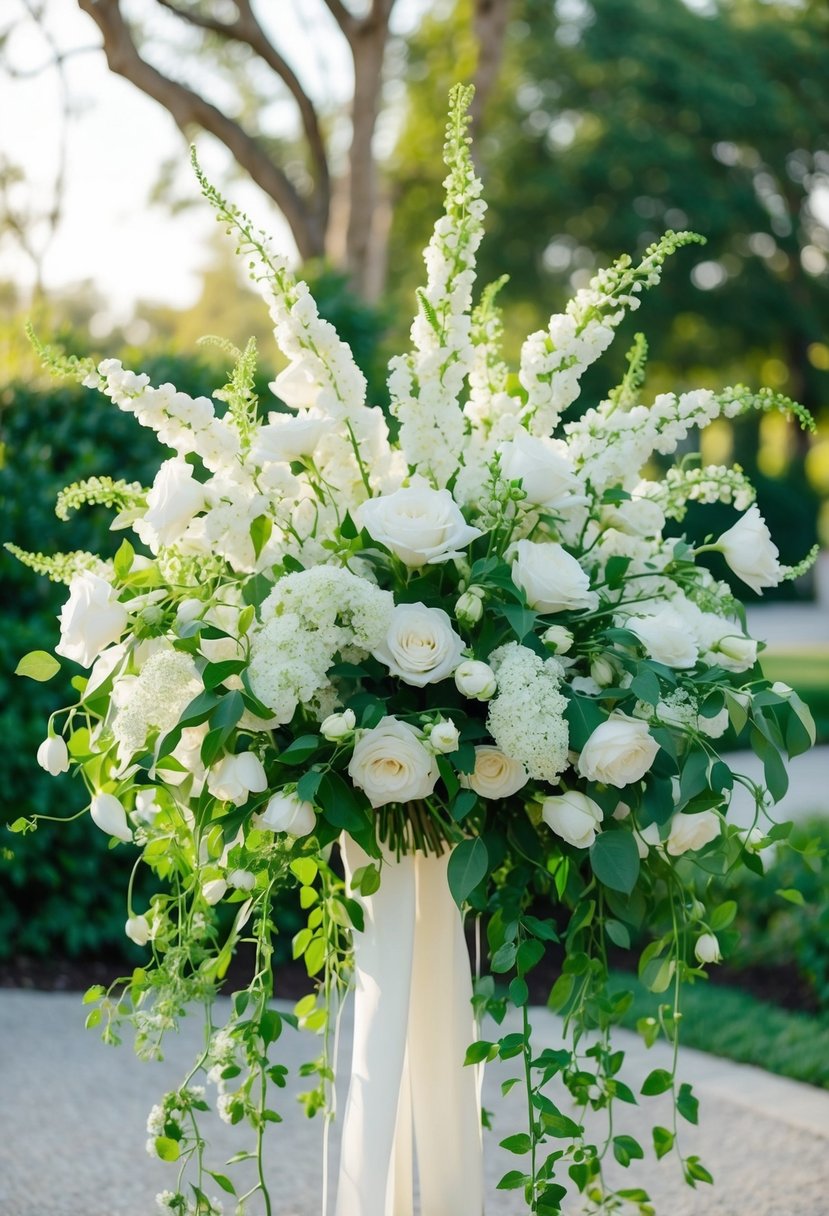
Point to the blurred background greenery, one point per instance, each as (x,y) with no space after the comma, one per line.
(599,124)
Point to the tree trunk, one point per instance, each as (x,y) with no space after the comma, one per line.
(362,255)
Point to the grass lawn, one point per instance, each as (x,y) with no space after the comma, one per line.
(806,670)
(731,1023)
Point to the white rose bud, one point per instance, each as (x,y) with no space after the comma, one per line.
(418,524)
(558,639)
(750,551)
(475,680)
(137,930)
(735,652)
(496,775)
(90,619)
(288,813)
(53,756)
(420,647)
(214,890)
(707,948)
(551,579)
(390,764)
(619,752)
(242,880)
(603,672)
(572,816)
(469,608)
(338,726)
(235,777)
(692,831)
(109,815)
(444,737)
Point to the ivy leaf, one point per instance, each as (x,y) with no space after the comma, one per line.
(663,1141)
(167,1149)
(627,1149)
(615,860)
(38,665)
(467,867)
(657,1082)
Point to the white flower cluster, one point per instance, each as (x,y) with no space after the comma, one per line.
(526,717)
(707,484)
(307,619)
(153,699)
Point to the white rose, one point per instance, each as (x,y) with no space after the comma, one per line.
(90,619)
(750,551)
(602,672)
(692,831)
(288,813)
(338,726)
(713,728)
(469,607)
(551,579)
(421,647)
(286,438)
(572,816)
(636,517)
(444,737)
(619,752)
(234,777)
(53,756)
(666,637)
(559,639)
(109,815)
(418,524)
(544,468)
(475,680)
(707,948)
(137,930)
(172,502)
(391,764)
(735,652)
(296,386)
(496,775)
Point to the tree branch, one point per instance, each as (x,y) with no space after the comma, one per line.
(490,20)
(188,109)
(348,23)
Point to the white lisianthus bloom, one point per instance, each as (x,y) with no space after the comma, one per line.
(418,524)
(735,652)
(338,726)
(288,813)
(444,737)
(137,930)
(750,551)
(475,680)
(619,752)
(53,755)
(551,579)
(109,815)
(573,816)
(421,647)
(90,619)
(692,831)
(172,502)
(296,386)
(286,438)
(235,777)
(390,764)
(496,775)
(559,639)
(707,949)
(666,637)
(544,468)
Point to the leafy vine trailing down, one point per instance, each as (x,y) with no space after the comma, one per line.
(473,638)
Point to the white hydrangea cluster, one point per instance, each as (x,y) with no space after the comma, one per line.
(308,618)
(426,384)
(153,699)
(705,484)
(680,710)
(526,717)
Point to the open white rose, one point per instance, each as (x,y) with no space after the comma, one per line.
(109,815)
(551,579)
(418,524)
(53,756)
(666,637)
(421,647)
(619,752)
(235,777)
(286,438)
(572,816)
(296,386)
(391,764)
(172,502)
(750,551)
(90,619)
(496,775)
(544,469)
(692,831)
(288,813)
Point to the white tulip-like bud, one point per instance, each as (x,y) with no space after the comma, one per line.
(444,737)
(475,680)
(707,948)
(242,880)
(137,930)
(53,756)
(287,813)
(109,815)
(558,639)
(338,726)
(213,890)
(603,672)
(469,608)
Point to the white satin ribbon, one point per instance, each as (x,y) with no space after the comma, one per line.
(412,1024)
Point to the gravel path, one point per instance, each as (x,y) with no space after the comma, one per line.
(72,1116)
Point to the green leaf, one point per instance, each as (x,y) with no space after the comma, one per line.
(467,867)
(504,958)
(519,1143)
(627,1149)
(791,894)
(38,665)
(657,1082)
(646,686)
(124,557)
(615,860)
(694,1169)
(340,804)
(481,1051)
(561,992)
(270,1026)
(167,1149)
(463,803)
(618,933)
(260,532)
(663,1141)
(687,1104)
(305,869)
(518,992)
(513,1181)
(223,1181)
(723,915)
(308,785)
(93,994)
(215,674)
(299,750)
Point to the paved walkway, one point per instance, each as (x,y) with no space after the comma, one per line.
(72,1116)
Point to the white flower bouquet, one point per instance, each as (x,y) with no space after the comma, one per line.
(459,629)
